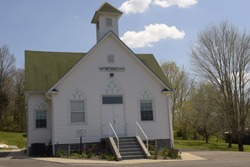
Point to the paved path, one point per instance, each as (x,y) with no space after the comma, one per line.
(185,157)
(191,158)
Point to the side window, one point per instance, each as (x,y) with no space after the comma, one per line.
(77,111)
(146,110)
(41,114)
(146,101)
(41,119)
(108,22)
(77,107)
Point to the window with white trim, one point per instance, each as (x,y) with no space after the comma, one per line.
(40,114)
(146,110)
(77,111)
(41,119)
(146,106)
(77,107)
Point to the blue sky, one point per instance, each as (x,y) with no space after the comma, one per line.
(64,25)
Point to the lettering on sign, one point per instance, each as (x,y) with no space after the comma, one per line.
(118,69)
(81,133)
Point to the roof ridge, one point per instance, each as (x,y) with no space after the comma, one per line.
(106,3)
(37,51)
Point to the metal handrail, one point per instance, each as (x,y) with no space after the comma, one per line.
(110,126)
(137,124)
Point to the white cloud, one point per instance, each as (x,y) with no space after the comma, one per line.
(152,33)
(139,6)
(180,3)
(76,17)
(135,6)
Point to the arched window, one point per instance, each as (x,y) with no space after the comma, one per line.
(112,93)
(77,107)
(146,105)
(41,110)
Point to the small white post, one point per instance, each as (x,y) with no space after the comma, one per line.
(109,132)
(136,129)
(147,143)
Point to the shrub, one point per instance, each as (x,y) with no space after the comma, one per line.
(111,158)
(173,153)
(74,154)
(156,153)
(60,152)
(165,154)
(91,150)
(103,156)
(106,155)
(151,148)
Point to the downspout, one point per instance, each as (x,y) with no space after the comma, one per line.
(168,97)
(170,120)
(27,117)
(52,116)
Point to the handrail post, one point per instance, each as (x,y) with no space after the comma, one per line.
(109,132)
(118,145)
(147,144)
(136,129)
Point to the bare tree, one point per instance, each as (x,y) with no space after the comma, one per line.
(7,67)
(221,55)
(19,112)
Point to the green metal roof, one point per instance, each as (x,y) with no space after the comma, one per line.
(44,69)
(106,8)
(150,61)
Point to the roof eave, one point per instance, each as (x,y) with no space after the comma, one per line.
(97,14)
(125,46)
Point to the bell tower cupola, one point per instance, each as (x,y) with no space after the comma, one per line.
(106,19)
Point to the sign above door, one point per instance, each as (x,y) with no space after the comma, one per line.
(117,69)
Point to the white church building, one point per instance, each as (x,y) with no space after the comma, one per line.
(70,95)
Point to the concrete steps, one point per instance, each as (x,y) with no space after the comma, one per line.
(130,148)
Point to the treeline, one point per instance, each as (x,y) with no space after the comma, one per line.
(217,100)
(12,99)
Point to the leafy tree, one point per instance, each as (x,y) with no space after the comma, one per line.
(182,86)
(206,111)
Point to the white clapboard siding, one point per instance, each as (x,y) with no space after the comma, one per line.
(103,29)
(91,81)
(37,135)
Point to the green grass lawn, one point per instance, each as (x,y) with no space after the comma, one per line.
(197,144)
(10,138)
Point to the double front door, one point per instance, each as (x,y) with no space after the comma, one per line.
(114,114)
